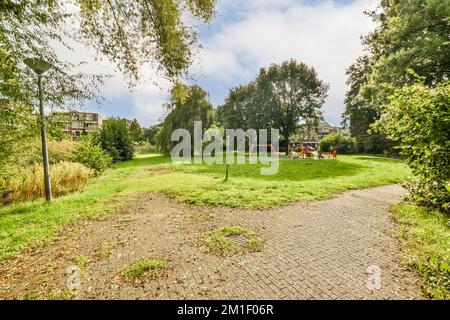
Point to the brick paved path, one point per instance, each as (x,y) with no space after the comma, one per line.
(313,250)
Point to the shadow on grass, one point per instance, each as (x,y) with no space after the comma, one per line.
(145,160)
(376,159)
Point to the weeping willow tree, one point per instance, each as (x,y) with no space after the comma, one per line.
(194,106)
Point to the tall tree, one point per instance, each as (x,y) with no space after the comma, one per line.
(183,112)
(135,130)
(358,115)
(411,35)
(295,95)
(281,97)
(238,111)
(115,138)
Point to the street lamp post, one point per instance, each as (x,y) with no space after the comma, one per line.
(40,66)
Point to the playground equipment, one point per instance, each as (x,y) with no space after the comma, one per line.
(300,151)
(322,155)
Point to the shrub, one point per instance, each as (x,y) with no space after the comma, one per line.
(27,183)
(60,150)
(150,134)
(423,234)
(418,118)
(89,152)
(115,138)
(342,143)
(144,147)
(375,144)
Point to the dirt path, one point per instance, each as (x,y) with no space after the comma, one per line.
(313,250)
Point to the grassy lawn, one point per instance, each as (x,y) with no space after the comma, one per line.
(31,223)
(425,237)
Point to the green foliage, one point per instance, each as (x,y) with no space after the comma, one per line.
(194,107)
(242,111)
(359,114)
(436,275)
(375,143)
(418,118)
(26,28)
(17,127)
(89,152)
(150,133)
(409,35)
(115,139)
(279,98)
(342,143)
(399,44)
(424,236)
(135,131)
(157,32)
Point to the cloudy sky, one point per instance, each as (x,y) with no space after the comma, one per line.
(248,35)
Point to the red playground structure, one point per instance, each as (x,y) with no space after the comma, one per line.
(300,151)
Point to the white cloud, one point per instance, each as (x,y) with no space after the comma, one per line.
(246,36)
(324,35)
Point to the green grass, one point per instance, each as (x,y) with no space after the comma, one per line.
(218,242)
(33,223)
(425,237)
(144,269)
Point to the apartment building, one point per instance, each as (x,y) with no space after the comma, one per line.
(312,136)
(77,123)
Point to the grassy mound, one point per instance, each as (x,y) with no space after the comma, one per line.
(217,240)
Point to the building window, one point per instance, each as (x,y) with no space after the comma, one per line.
(77,124)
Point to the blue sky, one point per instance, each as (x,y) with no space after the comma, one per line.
(248,35)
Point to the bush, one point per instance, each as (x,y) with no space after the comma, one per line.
(423,234)
(342,143)
(375,144)
(418,118)
(89,152)
(27,183)
(115,139)
(60,150)
(144,147)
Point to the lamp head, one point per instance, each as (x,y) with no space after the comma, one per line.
(37,65)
